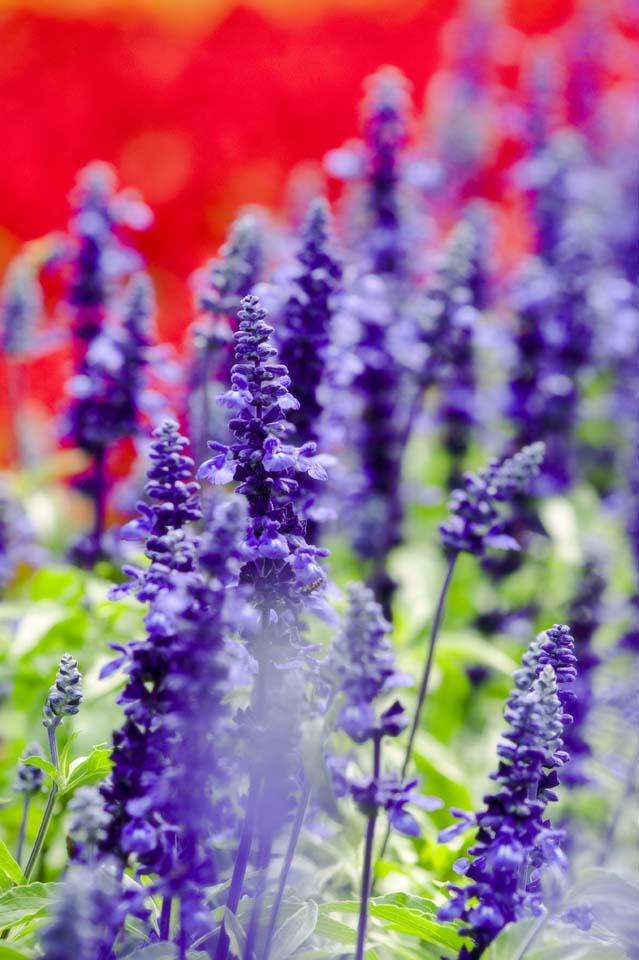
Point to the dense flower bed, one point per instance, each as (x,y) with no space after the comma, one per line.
(284,597)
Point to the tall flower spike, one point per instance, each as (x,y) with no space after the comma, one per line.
(281,566)
(304,329)
(377,165)
(140,746)
(361,667)
(86,915)
(20,308)
(65,695)
(452,307)
(99,257)
(474,523)
(175,502)
(228,278)
(29,779)
(514,841)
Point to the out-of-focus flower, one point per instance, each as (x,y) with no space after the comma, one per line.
(474,524)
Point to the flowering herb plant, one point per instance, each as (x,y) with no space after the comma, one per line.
(321,634)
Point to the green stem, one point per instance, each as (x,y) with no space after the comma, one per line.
(428,666)
(48,810)
(368,858)
(286,866)
(23,826)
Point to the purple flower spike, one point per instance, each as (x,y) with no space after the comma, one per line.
(514,842)
(306,318)
(474,524)
(267,471)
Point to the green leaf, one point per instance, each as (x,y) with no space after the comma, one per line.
(65,754)
(514,940)
(155,951)
(416,924)
(26,902)
(475,650)
(294,931)
(335,930)
(91,769)
(10,953)
(8,866)
(235,932)
(47,767)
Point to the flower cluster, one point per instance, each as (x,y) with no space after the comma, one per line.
(513,840)
(361,667)
(65,695)
(474,524)
(29,779)
(282,567)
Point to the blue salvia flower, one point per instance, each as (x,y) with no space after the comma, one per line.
(65,694)
(98,256)
(175,503)
(17,539)
(172,750)
(140,745)
(386,120)
(88,824)
(360,667)
(225,281)
(106,392)
(303,331)
(282,567)
(554,305)
(87,915)
(475,523)
(191,806)
(304,325)
(20,308)
(514,841)
(106,398)
(380,216)
(29,780)
(452,308)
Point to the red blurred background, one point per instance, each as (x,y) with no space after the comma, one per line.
(205,105)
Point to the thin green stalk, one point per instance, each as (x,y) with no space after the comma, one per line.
(368,858)
(428,666)
(286,866)
(622,804)
(252,805)
(48,810)
(23,826)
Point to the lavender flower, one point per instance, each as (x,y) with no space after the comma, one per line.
(87,916)
(20,308)
(228,279)
(65,695)
(282,567)
(474,524)
(141,744)
(99,257)
(17,539)
(88,825)
(453,304)
(29,779)
(361,664)
(514,841)
(306,319)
